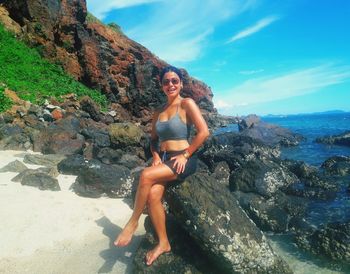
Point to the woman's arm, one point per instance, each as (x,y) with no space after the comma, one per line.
(155,141)
(194,113)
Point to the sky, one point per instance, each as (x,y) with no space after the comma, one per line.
(257,56)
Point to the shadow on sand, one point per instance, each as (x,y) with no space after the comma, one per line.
(114,254)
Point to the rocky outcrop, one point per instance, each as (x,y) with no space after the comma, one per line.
(220,227)
(269,134)
(337,165)
(331,240)
(341,139)
(100,56)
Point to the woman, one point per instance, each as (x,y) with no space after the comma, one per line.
(175,160)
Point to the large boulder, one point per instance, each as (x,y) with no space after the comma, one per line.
(95,178)
(219,226)
(270,134)
(264,177)
(125,134)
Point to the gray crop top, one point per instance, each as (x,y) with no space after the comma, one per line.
(173,129)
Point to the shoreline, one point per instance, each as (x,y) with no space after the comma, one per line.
(60,232)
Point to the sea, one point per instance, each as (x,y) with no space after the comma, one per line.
(312,126)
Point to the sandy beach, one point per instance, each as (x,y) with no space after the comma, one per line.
(60,232)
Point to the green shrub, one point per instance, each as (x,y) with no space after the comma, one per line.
(34,78)
(5,102)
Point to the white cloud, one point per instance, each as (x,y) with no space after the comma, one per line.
(100,9)
(176,31)
(278,87)
(253,29)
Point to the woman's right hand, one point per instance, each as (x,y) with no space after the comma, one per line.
(156,161)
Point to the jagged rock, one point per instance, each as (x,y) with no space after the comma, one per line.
(15,166)
(332,241)
(235,150)
(269,134)
(273,214)
(125,134)
(341,139)
(214,219)
(337,165)
(72,165)
(262,177)
(48,160)
(40,180)
(185,256)
(16,142)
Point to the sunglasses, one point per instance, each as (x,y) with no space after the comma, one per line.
(174,81)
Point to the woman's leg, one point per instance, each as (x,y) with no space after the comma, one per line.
(157,214)
(149,177)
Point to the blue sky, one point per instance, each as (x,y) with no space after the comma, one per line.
(258,56)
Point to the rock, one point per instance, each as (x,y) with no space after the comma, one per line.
(269,134)
(262,177)
(41,180)
(248,122)
(15,166)
(57,114)
(95,178)
(221,228)
(342,139)
(72,165)
(125,134)
(99,137)
(49,160)
(108,155)
(273,214)
(90,107)
(222,174)
(185,256)
(337,165)
(332,240)
(235,150)
(16,142)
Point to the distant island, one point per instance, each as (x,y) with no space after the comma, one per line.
(311,113)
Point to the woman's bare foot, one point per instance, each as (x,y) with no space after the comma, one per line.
(125,236)
(158,250)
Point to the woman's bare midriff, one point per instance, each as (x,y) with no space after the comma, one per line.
(174,145)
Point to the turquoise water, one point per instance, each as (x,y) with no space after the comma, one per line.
(319,212)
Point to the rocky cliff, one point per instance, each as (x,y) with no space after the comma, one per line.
(100,56)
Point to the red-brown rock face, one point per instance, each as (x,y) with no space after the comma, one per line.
(98,55)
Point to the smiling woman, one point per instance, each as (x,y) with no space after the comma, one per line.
(174,157)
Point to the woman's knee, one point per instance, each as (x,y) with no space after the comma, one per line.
(155,195)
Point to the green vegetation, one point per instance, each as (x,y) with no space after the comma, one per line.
(5,102)
(113,26)
(32,77)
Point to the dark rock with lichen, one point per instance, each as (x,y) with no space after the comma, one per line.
(220,227)
(269,134)
(342,139)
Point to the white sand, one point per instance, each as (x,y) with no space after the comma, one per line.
(60,232)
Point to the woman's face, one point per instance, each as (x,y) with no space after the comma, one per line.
(171,84)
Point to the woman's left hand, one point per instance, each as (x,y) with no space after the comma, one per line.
(180,163)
